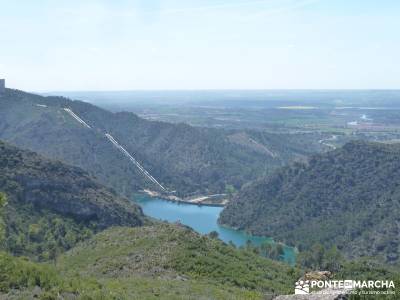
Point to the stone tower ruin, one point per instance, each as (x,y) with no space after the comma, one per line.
(2,86)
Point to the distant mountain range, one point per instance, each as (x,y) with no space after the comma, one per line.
(186,159)
(349,197)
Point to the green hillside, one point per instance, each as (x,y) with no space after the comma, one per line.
(349,197)
(59,216)
(52,206)
(183,158)
(151,262)
(171,254)
(161,261)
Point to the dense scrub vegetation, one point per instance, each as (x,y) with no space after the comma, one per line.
(167,261)
(174,252)
(349,197)
(22,279)
(164,261)
(51,206)
(183,158)
(43,234)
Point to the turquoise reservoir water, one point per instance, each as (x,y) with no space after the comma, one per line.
(203,219)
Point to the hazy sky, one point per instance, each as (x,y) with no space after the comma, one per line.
(48,45)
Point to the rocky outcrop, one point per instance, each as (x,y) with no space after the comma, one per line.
(314,296)
(317,275)
(324,294)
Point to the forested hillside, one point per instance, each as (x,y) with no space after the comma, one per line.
(150,262)
(349,197)
(51,206)
(176,262)
(183,158)
(48,208)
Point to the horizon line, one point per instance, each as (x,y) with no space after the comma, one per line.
(213,90)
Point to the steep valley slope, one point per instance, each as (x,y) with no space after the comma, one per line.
(349,197)
(65,236)
(183,158)
(52,206)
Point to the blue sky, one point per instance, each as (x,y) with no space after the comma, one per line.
(48,45)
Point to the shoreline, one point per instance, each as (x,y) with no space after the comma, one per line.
(229,232)
(198,201)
